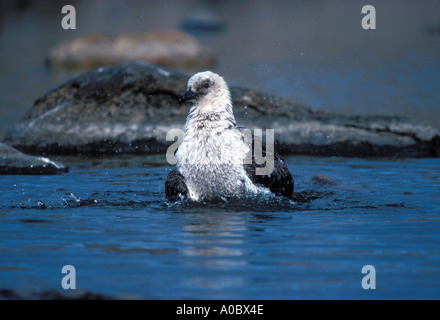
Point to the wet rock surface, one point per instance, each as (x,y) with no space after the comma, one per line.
(129,108)
(13,161)
(173,49)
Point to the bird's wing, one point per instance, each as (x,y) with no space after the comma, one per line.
(279,181)
(175,186)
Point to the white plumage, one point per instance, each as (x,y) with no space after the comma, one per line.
(213,150)
(211,158)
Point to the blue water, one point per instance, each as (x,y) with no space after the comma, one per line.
(109,219)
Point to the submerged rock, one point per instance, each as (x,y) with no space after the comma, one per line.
(13,161)
(172,49)
(323,180)
(129,108)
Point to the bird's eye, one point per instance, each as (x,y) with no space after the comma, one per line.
(206,85)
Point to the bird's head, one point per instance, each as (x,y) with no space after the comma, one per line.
(206,86)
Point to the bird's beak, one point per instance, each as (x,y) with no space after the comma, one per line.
(189,95)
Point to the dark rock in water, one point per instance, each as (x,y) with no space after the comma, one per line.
(432,29)
(202,20)
(172,49)
(129,108)
(10,294)
(123,109)
(13,161)
(307,196)
(323,180)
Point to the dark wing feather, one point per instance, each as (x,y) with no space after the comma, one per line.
(175,186)
(280,181)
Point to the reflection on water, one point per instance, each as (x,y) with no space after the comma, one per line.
(218,237)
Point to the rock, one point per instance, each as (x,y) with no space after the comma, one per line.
(13,161)
(50,294)
(172,49)
(129,108)
(202,20)
(323,180)
(432,29)
(126,108)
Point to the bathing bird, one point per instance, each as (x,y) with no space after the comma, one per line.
(213,159)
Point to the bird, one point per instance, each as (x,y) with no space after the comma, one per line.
(211,158)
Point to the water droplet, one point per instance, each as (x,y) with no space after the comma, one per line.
(41,205)
(77,199)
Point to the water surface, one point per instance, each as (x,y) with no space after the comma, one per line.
(109,219)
